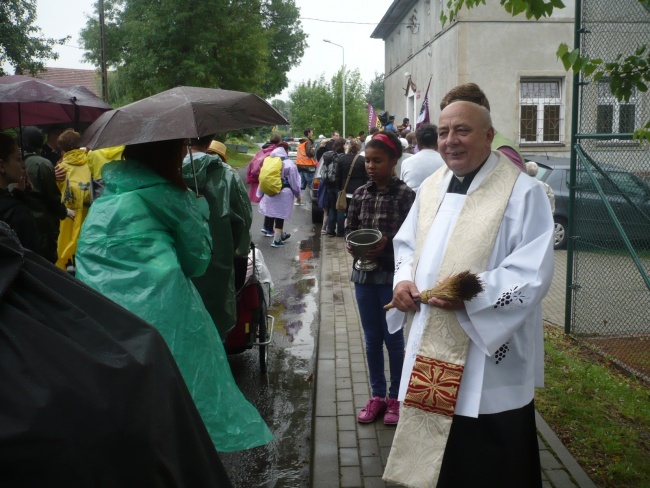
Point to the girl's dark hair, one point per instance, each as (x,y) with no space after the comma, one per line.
(7,146)
(162,157)
(394,149)
(338,145)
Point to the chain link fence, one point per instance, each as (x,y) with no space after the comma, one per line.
(610,289)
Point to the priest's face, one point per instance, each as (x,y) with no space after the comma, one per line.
(465,135)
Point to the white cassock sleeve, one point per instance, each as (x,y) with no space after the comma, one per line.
(403,243)
(519,274)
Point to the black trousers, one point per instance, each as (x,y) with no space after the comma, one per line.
(270,225)
(493,451)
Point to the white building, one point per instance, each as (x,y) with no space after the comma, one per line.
(512,59)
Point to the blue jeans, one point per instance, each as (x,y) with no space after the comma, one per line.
(335,219)
(371,300)
(306,178)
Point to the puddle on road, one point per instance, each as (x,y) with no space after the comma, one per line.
(284,395)
(296,306)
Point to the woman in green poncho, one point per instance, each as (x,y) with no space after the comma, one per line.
(142,241)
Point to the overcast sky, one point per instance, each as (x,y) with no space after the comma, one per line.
(349,23)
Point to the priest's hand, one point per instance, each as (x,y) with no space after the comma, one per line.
(446,304)
(406,296)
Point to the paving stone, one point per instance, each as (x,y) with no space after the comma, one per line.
(371,466)
(344,394)
(342,363)
(325,453)
(350,477)
(373,482)
(366,431)
(347,422)
(344,408)
(348,438)
(357,358)
(349,456)
(548,460)
(342,372)
(385,452)
(560,478)
(369,447)
(386,437)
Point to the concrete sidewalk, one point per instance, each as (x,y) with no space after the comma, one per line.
(348,454)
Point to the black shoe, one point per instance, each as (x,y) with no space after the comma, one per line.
(284,236)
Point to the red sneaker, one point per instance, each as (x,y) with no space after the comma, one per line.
(391,417)
(373,409)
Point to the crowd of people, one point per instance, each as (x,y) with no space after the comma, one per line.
(156,228)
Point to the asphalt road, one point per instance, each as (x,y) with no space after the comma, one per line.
(284,394)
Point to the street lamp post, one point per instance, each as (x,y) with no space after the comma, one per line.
(343,82)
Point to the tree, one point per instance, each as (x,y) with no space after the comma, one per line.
(248,45)
(624,74)
(318,104)
(375,95)
(20,45)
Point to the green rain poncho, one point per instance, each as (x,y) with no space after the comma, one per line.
(140,244)
(230,222)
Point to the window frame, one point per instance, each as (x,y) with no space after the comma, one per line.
(540,103)
(608,99)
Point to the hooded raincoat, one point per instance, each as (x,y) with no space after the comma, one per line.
(280,206)
(75,195)
(230,222)
(143,240)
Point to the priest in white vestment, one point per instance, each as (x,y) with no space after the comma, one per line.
(471,367)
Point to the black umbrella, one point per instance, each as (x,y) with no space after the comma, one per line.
(180,113)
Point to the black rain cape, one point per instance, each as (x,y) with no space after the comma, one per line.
(90,395)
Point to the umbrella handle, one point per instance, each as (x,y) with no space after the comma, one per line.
(196,184)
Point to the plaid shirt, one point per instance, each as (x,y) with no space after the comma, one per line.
(384,210)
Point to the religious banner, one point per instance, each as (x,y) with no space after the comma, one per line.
(373,120)
(423,116)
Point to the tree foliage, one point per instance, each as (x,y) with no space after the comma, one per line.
(625,74)
(531,8)
(20,43)
(319,105)
(375,95)
(247,45)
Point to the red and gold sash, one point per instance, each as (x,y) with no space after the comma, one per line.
(426,414)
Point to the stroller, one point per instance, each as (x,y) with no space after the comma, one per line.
(254,326)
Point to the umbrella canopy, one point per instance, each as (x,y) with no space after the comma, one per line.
(32,101)
(179,113)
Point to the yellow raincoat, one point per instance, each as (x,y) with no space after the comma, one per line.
(99,157)
(75,195)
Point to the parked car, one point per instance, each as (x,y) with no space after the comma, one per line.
(293,150)
(628,195)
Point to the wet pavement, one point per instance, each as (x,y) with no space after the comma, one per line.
(284,395)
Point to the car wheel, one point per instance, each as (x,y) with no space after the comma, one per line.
(561,233)
(316,214)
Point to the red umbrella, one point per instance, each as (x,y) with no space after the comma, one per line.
(32,101)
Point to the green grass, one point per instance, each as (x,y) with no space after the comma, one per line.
(601,414)
(237,159)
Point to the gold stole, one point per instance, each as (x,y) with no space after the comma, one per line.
(425,419)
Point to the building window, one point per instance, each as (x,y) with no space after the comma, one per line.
(541,113)
(612,116)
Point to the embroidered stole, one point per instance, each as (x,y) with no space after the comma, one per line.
(426,413)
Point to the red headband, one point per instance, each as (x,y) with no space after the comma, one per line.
(386,140)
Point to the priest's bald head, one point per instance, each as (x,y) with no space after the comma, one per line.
(465,135)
